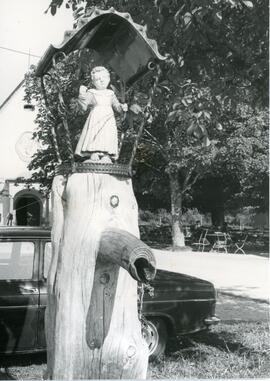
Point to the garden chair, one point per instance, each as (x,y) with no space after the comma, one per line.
(203,241)
(221,242)
(239,246)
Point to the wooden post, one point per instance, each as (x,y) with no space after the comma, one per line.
(92,324)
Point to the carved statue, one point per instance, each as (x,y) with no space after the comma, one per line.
(93,328)
(98,140)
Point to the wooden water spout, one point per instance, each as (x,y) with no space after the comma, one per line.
(92,324)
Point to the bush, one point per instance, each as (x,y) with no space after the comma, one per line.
(158,234)
(146,216)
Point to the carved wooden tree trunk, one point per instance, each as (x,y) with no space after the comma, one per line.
(92,325)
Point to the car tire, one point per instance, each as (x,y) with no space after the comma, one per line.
(155,334)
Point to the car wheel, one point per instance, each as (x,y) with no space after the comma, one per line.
(156,335)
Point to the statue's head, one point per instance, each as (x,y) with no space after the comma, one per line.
(100,77)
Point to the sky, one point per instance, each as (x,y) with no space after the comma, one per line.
(25,27)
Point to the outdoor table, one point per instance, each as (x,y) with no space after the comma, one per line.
(215,237)
(212,237)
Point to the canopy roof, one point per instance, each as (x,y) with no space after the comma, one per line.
(119,41)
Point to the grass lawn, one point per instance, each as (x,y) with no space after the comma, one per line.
(229,350)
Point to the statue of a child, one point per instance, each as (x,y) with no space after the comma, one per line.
(98,140)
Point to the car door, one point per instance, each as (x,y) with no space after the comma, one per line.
(18,294)
(45,260)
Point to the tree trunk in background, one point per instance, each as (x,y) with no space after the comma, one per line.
(178,238)
(92,325)
(217,216)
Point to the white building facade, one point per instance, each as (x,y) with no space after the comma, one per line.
(21,202)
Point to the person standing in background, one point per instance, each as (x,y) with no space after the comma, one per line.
(9,219)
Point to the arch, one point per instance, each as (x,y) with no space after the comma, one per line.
(28,208)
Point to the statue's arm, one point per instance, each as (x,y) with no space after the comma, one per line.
(117,106)
(85,98)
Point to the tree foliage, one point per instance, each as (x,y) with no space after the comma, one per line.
(211,101)
(246,155)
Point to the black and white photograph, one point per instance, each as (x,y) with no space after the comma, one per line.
(134,190)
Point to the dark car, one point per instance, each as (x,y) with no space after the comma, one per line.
(180,304)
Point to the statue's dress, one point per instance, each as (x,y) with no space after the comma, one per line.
(99,133)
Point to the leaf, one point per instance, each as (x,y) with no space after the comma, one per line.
(181,61)
(187,83)
(150,119)
(172,115)
(248,3)
(233,3)
(207,115)
(219,127)
(135,108)
(184,102)
(219,16)
(187,18)
(191,129)
(203,131)
(206,142)
(53,10)
(166,88)
(177,16)
(196,10)
(176,105)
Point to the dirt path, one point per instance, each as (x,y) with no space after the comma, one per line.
(239,275)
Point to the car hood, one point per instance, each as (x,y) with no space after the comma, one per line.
(182,286)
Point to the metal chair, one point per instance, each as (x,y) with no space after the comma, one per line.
(239,246)
(203,241)
(220,243)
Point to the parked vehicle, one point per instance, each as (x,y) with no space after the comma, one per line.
(180,305)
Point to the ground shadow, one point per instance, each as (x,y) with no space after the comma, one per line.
(223,341)
(12,360)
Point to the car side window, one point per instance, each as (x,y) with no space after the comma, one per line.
(16,260)
(47,258)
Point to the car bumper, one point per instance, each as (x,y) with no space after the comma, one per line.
(212,320)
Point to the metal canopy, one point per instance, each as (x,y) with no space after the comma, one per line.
(119,41)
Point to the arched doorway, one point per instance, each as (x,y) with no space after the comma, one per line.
(28,210)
